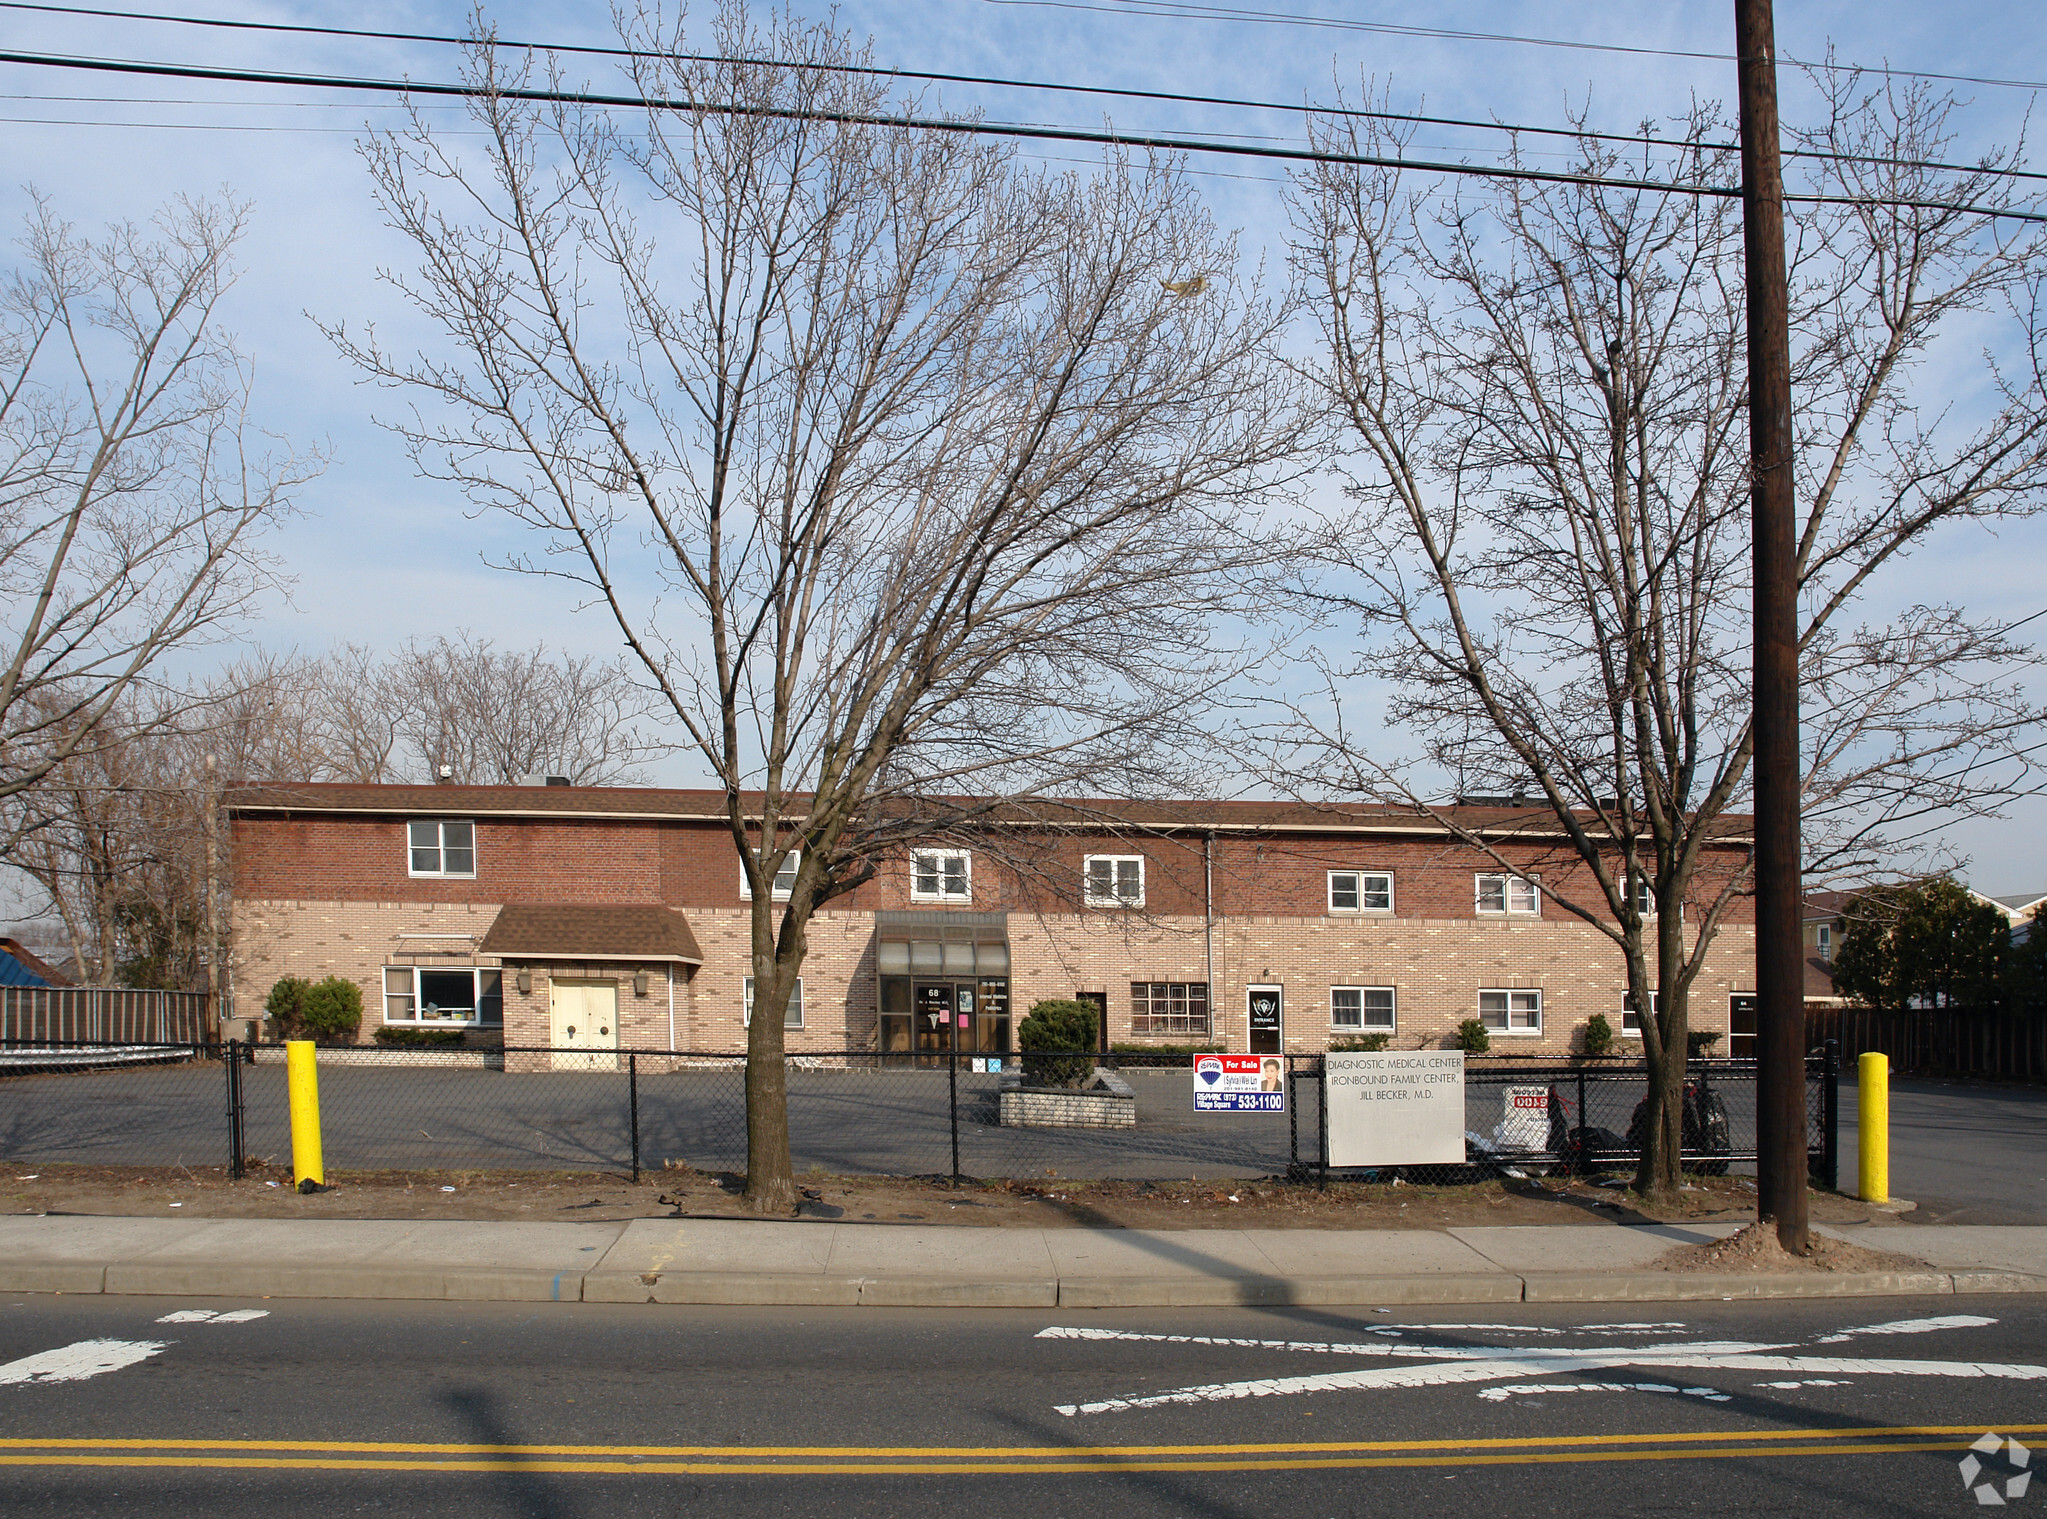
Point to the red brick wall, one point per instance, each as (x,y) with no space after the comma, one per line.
(693,865)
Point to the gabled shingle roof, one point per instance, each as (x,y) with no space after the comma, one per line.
(580,931)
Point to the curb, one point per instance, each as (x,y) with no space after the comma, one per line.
(806,1290)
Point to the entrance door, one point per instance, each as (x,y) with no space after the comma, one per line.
(934,1017)
(1741,1026)
(583,1016)
(1264,1012)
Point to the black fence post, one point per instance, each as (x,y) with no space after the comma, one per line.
(236,1164)
(952,1093)
(632,1084)
(1293,1119)
(1322,1123)
(1583,1120)
(1830,1140)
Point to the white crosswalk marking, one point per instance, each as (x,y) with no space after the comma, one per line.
(208,1316)
(74,1363)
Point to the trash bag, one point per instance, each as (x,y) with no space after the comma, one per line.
(1704,1126)
(1587,1144)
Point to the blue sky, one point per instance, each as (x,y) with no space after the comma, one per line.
(381,556)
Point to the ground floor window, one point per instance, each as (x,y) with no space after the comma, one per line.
(933,1013)
(1169,1007)
(469,994)
(1361,1008)
(1511,1012)
(792,1018)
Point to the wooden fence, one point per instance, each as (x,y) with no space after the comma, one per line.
(1996,1043)
(119,1013)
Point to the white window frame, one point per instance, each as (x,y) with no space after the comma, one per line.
(938,857)
(440,849)
(1532,999)
(1627,1013)
(411,978)
(795,1008)
(1645,897)
(1508,884)
(1115,898)
(1361,1026)
(1364,891)
(777,892)
(1823,941)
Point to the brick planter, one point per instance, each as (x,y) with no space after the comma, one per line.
(1058,1108)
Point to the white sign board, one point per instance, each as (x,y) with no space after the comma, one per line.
(1524,1121)
(1394,1107)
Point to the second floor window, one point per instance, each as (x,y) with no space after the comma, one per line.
(1115,880)
(439,847)
(1501,894)
(785,880)
(1361,891)
(938,875)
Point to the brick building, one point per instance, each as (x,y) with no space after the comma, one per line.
(617,916)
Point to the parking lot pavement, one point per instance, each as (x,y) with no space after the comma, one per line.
(1967,1153)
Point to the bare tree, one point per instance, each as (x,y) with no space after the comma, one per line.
(492,716)
(905,470)
(132,492)
(1543,391)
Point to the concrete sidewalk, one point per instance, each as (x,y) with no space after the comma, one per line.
(765,1262)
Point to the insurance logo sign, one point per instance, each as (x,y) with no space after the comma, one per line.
(1239,1084)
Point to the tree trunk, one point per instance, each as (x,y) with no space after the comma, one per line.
(770,1171)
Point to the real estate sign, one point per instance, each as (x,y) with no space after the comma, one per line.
(1239,1084)
(1394,1107)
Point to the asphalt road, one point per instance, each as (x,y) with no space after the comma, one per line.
(1966,1153)
(580,1411)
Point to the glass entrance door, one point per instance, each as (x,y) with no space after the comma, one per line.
(933,1021)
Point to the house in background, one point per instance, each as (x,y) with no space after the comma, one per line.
(602,917)
(21,966)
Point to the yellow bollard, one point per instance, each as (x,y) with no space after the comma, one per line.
(303,1074)
(1873,1126)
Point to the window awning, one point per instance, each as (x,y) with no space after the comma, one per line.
(579,931)
(941,943)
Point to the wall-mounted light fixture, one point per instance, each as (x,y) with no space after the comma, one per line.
(639,983)
(525,980)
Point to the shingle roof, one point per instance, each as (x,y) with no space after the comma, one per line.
(579,931)
(653,803)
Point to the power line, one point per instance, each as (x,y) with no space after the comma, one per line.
(973,129)
(999,82)
(1185,10)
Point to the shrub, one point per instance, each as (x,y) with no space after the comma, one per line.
(1699,1041)
(286,1005)
(1472,1037)
(1598,1035)
(413,1038)
(1166,1049)
(333,1008)
(1049,1033)
(1364,1044)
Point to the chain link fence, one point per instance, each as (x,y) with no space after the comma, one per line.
(850,1113)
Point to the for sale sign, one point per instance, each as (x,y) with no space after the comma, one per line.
(1239,1084)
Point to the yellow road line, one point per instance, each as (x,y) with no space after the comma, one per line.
(853,1468)
(1001,1452)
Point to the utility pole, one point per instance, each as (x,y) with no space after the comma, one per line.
(1780,968)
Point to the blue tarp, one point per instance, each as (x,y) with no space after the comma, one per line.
(14,973)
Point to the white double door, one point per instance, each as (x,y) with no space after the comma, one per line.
(583,1016)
